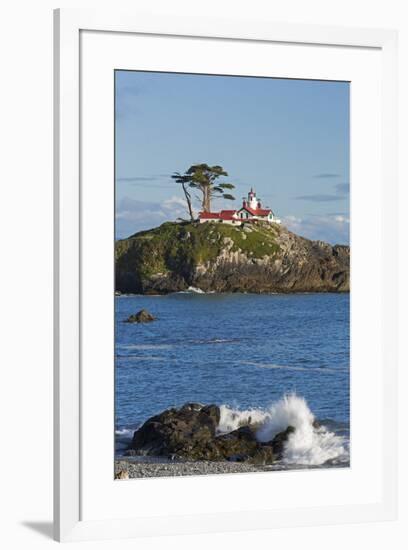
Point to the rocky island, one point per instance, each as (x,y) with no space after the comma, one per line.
(255,258)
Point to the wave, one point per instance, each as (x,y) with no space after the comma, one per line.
(309,445)
(295,368)
(143,346)
(132,357)
(215,341)
(180,342)
(124,432)
(195,290)
(192,290)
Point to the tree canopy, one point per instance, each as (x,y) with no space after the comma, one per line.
(205,180)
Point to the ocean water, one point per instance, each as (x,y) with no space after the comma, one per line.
(281,359)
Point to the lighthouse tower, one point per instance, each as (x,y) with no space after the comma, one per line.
(253,202)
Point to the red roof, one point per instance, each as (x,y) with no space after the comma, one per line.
(257,211)
(227,214)
(262,211)
(209,215)
(223,215)
(231,214)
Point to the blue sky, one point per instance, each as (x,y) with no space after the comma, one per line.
(289,139)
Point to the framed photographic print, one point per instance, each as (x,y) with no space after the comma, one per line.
(225,304)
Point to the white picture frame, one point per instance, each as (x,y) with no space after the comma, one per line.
(69,392)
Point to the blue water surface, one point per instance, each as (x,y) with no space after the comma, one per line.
(242,350)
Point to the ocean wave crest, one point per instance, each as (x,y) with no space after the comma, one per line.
(309,445)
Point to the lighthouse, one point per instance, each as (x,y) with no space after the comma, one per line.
(252,201)
(251,211)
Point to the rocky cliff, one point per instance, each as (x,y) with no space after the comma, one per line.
(224,258)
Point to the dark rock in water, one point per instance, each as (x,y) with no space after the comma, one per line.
(241,445)
(278,442)
(195,406)
(191,433)
(184,432)
(142,316)
(213,412)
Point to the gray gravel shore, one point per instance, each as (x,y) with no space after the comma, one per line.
(130,469)
(126,469)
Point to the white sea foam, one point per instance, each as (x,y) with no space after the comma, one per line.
(124,432)
(195,290)
(232,419)
(307,445)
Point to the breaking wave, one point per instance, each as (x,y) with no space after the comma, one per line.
(309,445)
(192,290)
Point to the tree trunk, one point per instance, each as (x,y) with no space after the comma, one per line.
(188,200)
(206,198)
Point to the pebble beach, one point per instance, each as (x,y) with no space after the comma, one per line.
(126,469)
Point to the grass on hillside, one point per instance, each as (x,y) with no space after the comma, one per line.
(181,245)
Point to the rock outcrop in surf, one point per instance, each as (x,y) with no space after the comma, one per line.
(191,433)
(287,432)
(142,316)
